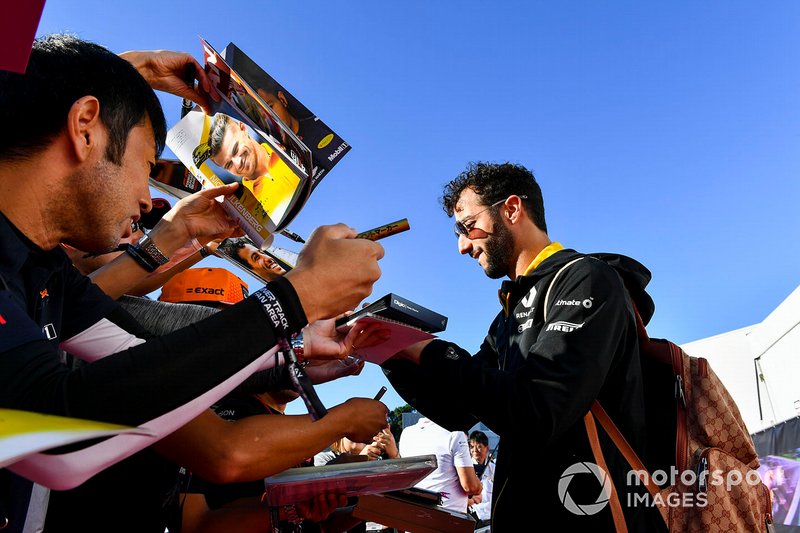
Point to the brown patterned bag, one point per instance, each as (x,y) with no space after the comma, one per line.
(725,492)
(698,438)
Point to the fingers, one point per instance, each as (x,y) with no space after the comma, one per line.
(359,366)
(335,271)
(371,334)
(335,231)
(222,190)
(202,79)
(367,418)
(321,506)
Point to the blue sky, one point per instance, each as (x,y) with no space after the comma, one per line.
(666,131)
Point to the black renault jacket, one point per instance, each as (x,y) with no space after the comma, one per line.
(533,380)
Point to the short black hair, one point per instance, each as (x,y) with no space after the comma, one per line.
(493,182)
(61,70)
(479,437)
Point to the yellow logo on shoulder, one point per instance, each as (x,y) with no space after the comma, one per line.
(325,141)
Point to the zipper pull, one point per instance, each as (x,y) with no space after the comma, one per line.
(679,390)
(702,474)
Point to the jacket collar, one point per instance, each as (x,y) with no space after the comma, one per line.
(507,289)
(16,249)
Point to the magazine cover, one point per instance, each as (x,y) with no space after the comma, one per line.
(327,148)
(238,96)
(222,149)
(241,141)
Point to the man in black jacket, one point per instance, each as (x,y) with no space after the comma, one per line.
(556,346)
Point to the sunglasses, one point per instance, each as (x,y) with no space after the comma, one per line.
(466,227)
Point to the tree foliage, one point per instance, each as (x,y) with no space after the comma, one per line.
(396,419)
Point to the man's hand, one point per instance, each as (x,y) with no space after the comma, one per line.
(198,216)
(325,371)
(166,71)
(362,417)
(385,441)
(321,339)
(321,506)
(335,271)
(372,451)
(475,499)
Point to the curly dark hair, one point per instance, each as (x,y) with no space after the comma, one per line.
(494,181)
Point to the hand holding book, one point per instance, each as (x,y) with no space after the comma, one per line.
(322,339)
(165,71)
(406,323)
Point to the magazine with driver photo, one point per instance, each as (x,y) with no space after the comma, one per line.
(241,141)
(303,126)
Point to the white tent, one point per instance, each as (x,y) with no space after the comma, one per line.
(768,351)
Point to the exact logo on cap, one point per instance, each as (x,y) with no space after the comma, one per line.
(204,285)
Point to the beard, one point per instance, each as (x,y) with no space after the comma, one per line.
(498,249)
(93,228)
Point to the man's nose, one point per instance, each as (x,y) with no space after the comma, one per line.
(464,245)
(145,202)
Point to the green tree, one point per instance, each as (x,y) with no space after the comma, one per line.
(396,419)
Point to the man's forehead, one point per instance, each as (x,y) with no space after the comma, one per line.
(230,137)
(468,200)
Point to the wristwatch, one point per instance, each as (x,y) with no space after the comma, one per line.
(150,249)
(147,254)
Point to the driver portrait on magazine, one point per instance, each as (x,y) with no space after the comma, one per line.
(234,149)
(251,258)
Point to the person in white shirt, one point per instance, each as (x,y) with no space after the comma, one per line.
(454,476)
(480,505)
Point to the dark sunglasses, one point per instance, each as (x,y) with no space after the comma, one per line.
(461,228)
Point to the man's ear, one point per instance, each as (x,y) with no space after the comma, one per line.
(283,99)
(85,129)
(513,208)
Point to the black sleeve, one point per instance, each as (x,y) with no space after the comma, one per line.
(561,374)
(435,396)
(148,380)
(564,368)
(272,379)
